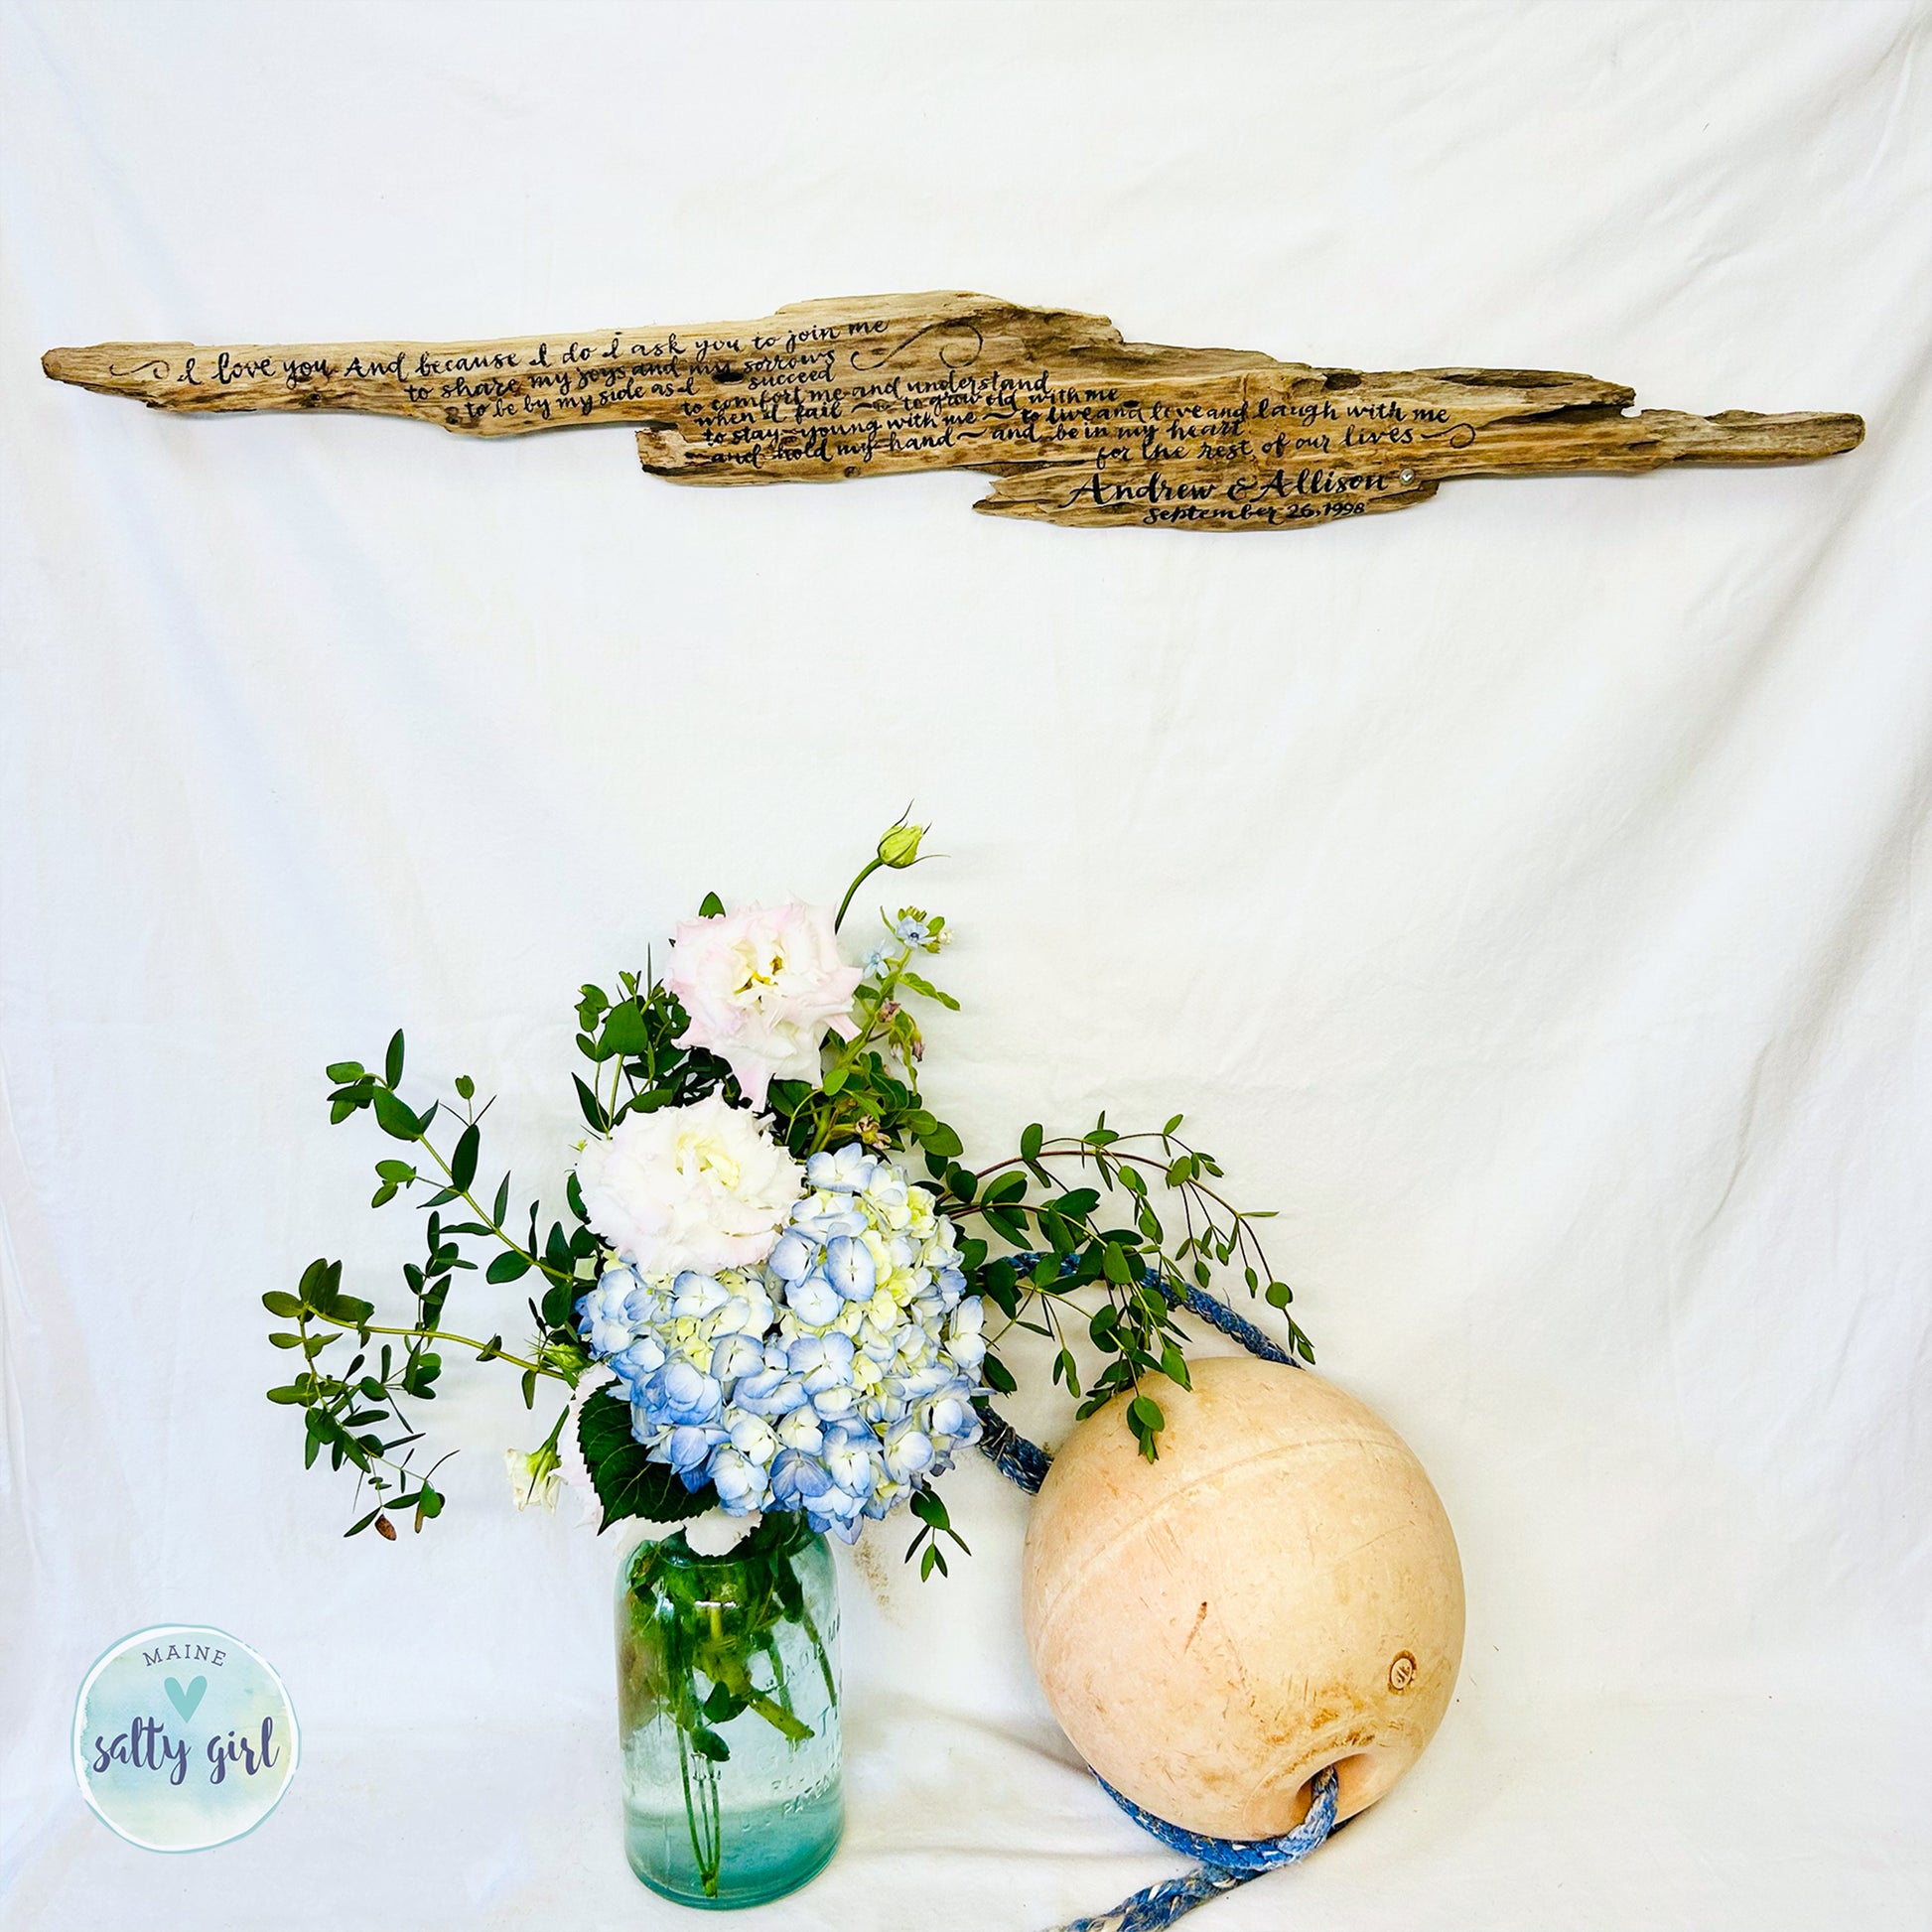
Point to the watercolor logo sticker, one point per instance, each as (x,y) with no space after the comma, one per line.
(184,1737)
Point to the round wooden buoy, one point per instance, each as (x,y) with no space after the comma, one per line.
(1278,1593)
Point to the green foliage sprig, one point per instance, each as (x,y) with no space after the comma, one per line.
(1125,1266)
(629,1044)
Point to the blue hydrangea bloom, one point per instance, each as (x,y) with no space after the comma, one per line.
(833,1379)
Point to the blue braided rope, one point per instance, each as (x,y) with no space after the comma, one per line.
(1223,1862)
(1015,1459)
(1027,1464)
(1211,1309)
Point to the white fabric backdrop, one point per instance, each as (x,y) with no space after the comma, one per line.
(1528,894)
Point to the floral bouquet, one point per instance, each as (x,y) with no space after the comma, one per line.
(768,1330)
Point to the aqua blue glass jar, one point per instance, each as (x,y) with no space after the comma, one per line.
(728,1715)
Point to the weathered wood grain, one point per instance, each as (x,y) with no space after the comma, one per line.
(1076,426)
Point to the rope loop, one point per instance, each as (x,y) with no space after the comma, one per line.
(1225,1862)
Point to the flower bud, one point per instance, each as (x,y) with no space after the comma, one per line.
(899,847)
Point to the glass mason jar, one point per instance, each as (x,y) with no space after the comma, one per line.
(728,1715)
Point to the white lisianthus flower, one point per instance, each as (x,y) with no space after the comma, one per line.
(763,986)
(535,1479)
(699,1188)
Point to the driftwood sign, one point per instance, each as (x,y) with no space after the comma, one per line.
(1074,425)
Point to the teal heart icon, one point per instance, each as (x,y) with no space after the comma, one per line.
(186,1701)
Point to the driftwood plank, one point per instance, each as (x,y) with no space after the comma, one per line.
(1075,425)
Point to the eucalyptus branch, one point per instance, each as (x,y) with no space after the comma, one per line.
(1142,1275)
(485,1220)
(486,1351)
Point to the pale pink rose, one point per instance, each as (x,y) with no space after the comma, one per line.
(763,987)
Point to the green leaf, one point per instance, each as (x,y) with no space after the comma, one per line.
(507,1266)
(503,1206)
(1145,1414)
(286,1305)
(399,1171)
(1174,1126)
(592,1106)
(931,991)
(625,1030)
(942,1141)
(392,1068)
(290,1393)
(712,909)
(1009,1222)
(343,1071)
(327,1430)
(1280,1294)
(998,1375)
(394,1118)
(462,1162)
(1114,1260)
(707,1743)
(627,1481)
(286,1339)
(1029,1142)
(1001,1288)
(722,1706)
(319,1283)
(466,1088)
